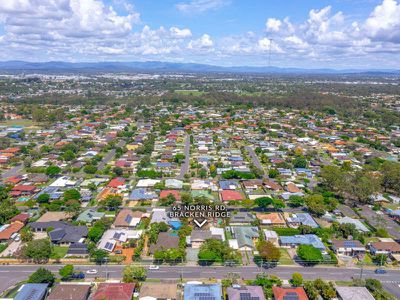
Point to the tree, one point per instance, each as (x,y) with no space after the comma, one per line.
(118,171)
(72,194)
(68,155)
(273,173)
(89,169)
(66,271)
(309,254)
(26,234)
(296,201)
(315,204)
(53,170)
(37,250)
(132,273)
(43,198)
(297,279)
(391,176)
(277,203)
(268,251)
(263,202)
(99,255)
(112,202)
(42,275)
(300,162)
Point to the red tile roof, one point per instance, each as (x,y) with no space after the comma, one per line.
(165,193)
(116,182)
(280,293)
(22,217)
(114,291)
(228,195)
(24,188)
(10,230)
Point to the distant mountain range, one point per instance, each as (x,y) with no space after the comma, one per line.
(168,67)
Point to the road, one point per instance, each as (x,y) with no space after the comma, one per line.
(110,155)
(256,161)
(383,221)
(185,164)
(12,172)
(21,272)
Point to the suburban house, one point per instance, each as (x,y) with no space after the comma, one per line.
(194,291)
(242,218)
(359,225)
(391,247)
(198,237)
(271,236)
(166,193)
(89,216)
(348,247)
(113,237)
(62,233)
(114,291)
(32,291)
(165,241)
(8,231)
(127,218)
(245,238)
(305,239)
(69,292)
(286,293)
(252,292)
(295,220)
(157,291)
(271,219)
(353,293)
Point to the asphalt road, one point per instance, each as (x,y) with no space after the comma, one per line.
(185,164)
(255,160)
(374,219)
(12,172)
(12,274)
(110,155)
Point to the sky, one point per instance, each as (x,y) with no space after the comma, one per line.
(340,34)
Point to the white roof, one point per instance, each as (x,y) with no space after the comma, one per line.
(270,234)
(63,181)
(233,244)
(147,182)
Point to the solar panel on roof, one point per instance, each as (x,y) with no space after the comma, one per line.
(291,296)
(349,244)
(128,219)
(108,246)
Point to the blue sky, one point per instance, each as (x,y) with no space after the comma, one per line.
(298,33)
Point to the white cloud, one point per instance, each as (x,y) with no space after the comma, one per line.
(203,43)
(180,33)
(384,22)
(199,6)
(273,25)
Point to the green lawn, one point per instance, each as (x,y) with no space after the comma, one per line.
(59,251)
(285,257)
(22,122)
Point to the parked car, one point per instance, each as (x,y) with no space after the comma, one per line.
(380,271)
(91,272)
(118,251)
(78,275)
(153,267)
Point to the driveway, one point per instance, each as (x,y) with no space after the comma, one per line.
(185,164)
(13,247)
(255,160)
(380,220)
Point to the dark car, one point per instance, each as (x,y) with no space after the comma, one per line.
(78,275)
(380,271)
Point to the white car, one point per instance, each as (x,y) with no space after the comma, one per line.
(153,267)
(92,271)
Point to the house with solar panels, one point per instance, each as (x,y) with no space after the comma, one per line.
(32,291)
(195,291)
(114,237)
(245,292)
(348,247)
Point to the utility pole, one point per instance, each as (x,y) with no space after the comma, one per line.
(361,270)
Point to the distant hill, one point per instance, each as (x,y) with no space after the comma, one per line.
(157,66)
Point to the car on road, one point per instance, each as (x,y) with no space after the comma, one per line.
(380,271)
(91,272)
(77,275)
(153,267)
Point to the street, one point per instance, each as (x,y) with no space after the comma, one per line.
(12,172)
(185,164)
(21,272)
(255,160)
